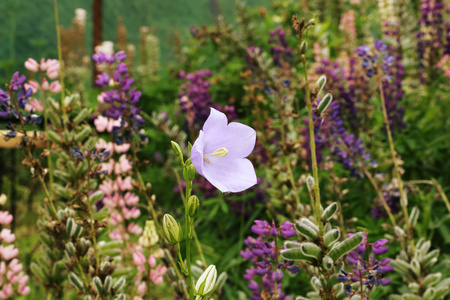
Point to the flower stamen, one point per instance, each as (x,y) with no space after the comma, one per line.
(219,152)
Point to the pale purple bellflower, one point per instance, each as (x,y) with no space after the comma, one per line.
(219,153)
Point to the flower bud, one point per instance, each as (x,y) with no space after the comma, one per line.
(207,281)
(189,172)
(172,229)
(310,183)
(320,84)
(193,206)
(323,105)
(2,199)
(303,47)
(177,150)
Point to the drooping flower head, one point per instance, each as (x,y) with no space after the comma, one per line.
(219,153)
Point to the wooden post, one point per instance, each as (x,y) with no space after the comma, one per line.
(97,16)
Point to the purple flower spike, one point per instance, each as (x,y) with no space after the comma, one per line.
(219,153)
(378,247)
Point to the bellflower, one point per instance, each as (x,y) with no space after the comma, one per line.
(219,153)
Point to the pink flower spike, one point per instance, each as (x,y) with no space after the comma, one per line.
(45,84)
(101,123)
(55,87)
(108,167)
(24,290)
(123,165)
(5,217)
(34,85)
(7,236)
(152,261)
(134,229)
(32,65)
(219,153)
(15,266)
(8,252)
(43,65)
(142,288)
(124,184)
(35,105)
(138,258)
(131,199)
(121,148)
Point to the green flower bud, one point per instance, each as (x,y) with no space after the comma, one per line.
(189,171)
(320,84)
(303,47)
(177,150)
(193,206)
(207,281)
(323,105)
(310,183)
(172,229)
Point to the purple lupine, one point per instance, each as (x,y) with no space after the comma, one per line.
(13,102)
(344,90)
(392,198)
(121,99)
(393,74)
(279,49)
(264,252)
(196,101)
(371,271)
(430,37)
(330,133)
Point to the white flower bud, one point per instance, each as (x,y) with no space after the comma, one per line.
(207,281)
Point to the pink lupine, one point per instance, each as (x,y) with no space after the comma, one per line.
(102,144)
(142,288)
(123,165)
(43,65)
(108,167)
(35,105)
(6,292)
(55,87)
(8,252)
(5,217)
(7,236)
(131,199)
(115,235)
(139,260)
(132,213)
(121,148)
(134,229)
(53,68)
(32,65)
(156,275)
(34,85)
(45,84)
(124,184)
(151,260)
(23,289)
(100,98)
(101,123)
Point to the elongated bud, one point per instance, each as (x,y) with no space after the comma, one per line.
(193,206)
(295,253)
(327,263)
(177,150)
(315,282)
(172,229)
(76,281)
(207,282)
(399,232)
(303,47)
(331,237)
(415,267)
(432,279)
(309,223)
(312,250)
(330,211)
(320,84)
(323,105)
(119,284)
(310,183)
(346,246)
(414,216)
(306,230)
(98,285)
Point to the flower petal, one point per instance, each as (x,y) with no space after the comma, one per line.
(197,153)
(237,138)
(229,174)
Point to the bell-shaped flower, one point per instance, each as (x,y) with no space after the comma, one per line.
(219,153)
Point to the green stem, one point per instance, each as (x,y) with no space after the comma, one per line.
(61,66)
(92,221)
(49,159)
(394,159)
(312,144)
(188,242)
(172,262)
(194,233)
